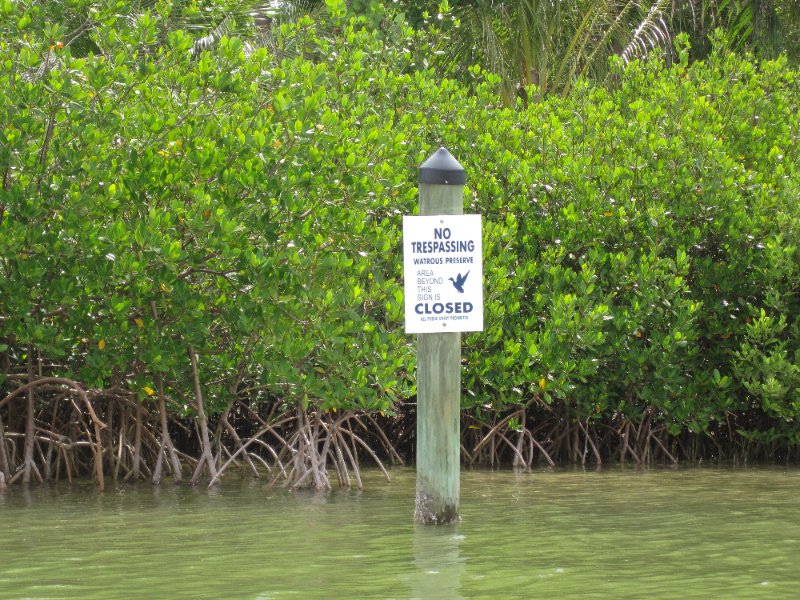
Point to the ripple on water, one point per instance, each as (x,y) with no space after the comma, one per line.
(617,533)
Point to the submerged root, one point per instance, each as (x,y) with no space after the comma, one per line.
(310,450)
(560,437)
(272,430)
(320,441)
(64,389)
(70,432)
(508,435)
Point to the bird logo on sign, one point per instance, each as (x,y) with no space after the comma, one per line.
(459,281)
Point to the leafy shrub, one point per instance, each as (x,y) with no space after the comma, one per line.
(641,241)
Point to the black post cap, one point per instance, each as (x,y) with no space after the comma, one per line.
(442,169)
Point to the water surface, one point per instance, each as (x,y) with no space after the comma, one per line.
(616,533)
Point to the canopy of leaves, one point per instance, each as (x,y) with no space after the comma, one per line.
(641,242)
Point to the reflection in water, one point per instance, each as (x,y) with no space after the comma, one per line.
(620,533)
(439,566)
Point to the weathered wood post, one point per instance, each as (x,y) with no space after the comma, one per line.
(441,192)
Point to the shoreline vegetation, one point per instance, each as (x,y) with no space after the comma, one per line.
(200,252)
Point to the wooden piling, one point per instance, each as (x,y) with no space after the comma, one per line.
(441,192)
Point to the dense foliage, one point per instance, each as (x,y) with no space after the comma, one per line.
(215,234)
(550,44)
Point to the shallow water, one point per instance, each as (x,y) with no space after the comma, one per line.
(615,533)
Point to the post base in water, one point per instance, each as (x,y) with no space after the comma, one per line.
(430,511)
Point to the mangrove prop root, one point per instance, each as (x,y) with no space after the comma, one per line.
(166,446)
(113,430)
(97,448)
(489,448)
(5,468)
(27,460)
(321,440)
(137,444)
(205,441)
(255,439)
(389,448)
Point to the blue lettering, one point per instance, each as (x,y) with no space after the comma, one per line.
(441,233)
(438,308)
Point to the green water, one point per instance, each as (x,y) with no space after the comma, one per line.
(683,533)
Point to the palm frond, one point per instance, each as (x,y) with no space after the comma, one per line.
(651,33)
(209,40)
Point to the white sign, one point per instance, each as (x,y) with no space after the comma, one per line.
(443,272)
